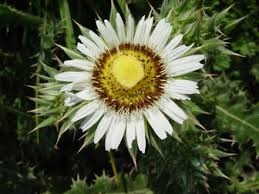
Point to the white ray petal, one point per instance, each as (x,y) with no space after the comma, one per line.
(130,131)
(172,110)
(156,31)
(130,29)
(177,70)
(112,33)
(182,87)
(77,86)
(79,64)
(120,28)
(108,138)
(179,96)
(86,94)
(177,52)
(102,127)
(89,122)
(140,133)
(149,23)
(86,51)
(118,132)
(140,30)
(188,59)
(72,76)
(104,33)
(172,44)
(161,121)
(90,45)
(85,111)
(101,44)
(152,116)
(160,35)
(71,99)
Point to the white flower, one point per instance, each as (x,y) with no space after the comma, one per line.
(128,79)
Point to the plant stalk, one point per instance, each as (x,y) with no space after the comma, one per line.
(114,169)
(66,17)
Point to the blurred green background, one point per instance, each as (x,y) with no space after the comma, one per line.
(221,159)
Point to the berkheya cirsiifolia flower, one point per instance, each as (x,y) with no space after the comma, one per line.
(127,79)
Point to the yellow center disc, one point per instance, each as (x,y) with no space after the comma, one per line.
(127,70)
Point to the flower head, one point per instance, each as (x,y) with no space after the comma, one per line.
(128,79)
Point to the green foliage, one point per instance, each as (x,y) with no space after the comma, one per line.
(232,112)
(65,15)
(104,185)
(186,165)
(255,71)
(9,15)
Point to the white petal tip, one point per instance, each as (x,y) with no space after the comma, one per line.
(143,151)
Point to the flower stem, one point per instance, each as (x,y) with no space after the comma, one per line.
(66,17)
(114,169)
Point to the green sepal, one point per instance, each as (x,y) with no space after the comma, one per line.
(84,31)
(71,53)
(45,123)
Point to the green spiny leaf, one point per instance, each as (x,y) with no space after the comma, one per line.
(9,15)
(113,14)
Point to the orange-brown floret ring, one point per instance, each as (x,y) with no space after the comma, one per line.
(121,97)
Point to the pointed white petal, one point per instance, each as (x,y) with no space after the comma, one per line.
(90,45)
(179,96)
(118,132)
(177,70)
(120,28)
(130,29)
(182,87)
(161,121)
(86,94)
(79,64)
(172,110)
(71,99)
(172,44)
(113,35)
(87,52)
(72,76)
(177,52)
(102,127)
(101,44)
(108,138)
(130,131)
(140,30)
(104,32)
(158,29)
(140,133)
(160,35)
(160,41)
(188,59)
(89,122)
(77,86)
(153,116)
(149,23)
(185,64)
(85,111)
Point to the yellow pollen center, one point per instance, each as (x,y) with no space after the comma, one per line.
(127,70)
